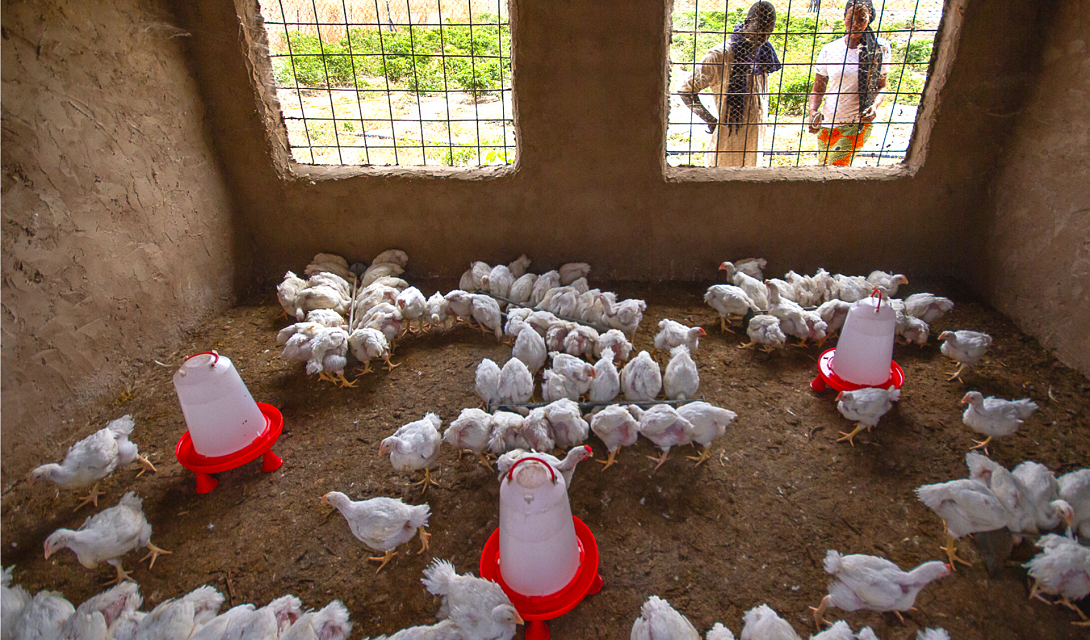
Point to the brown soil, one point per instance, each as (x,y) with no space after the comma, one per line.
(751,527)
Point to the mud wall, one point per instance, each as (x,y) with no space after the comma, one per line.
(1035,230)
(117,226)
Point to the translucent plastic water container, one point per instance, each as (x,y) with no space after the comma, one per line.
(539,552)
(220,412)
(865,348)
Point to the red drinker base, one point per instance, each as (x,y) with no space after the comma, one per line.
(203,466)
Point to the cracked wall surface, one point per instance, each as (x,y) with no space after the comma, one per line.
(117,228)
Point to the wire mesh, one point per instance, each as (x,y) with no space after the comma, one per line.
(779,133)
(393,82)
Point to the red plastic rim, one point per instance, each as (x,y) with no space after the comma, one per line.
(559,603)
(190,459)
(825,371)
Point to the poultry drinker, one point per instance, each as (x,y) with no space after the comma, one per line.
(863,356)
(226,427)
(544,558)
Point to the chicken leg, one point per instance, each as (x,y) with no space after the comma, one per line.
(952,551)
(1065,601)
(724,326)
(426,481)
(91,497)
(483,459)
(424,535)
(748,345)
(153,553)
(848,436)
(122,575)
(981,444)
(384,559)
(364,370)
(819,612)
(389,365)
(146,464)
(700,459)
(661,459)
(608,461)
(956,375)
(344,382)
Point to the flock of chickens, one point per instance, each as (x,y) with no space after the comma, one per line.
(344,310)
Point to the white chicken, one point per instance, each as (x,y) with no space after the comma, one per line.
(460,303)
(112,605)
(659,620)
(516,382)
(565,467)
(378,271)
(607,382)
(507,432)
(730,302)
(662,425)
(580,341)
(719,632)
(530,349)
(553,387)
(415,446)
(470,431)
(1075,490)
(753,267)
(94,458)
(568,426)
(764,330)
(966,506)
(486,311)
(321,296)
(1010,490)
(331,280)
(762,623)
(325,317)
(540,321)
(537,432)
(329,623)
(561,301)
(329,262)
(834,313)
(616,341)
(545,282)
(436,310)
(641,378)
(625,315)
(865,407)
(522,288)
(874,584)
(793,318)
(572,271)
(672,333)
(392,256)
(927,307)
(709,422)
(681,380)
(498,281)
(754,288)
(328,356)
(966,347)
(412,305)
(888,283)
(1043,489)
(487,383)
(383,524)
(516,321)
(557,333)
(575,372)
(43,617)
(368,343)
(1061,569)
(851,288)
(13,599)
(180,617)
(913,331)
(108,535)
(994,417)
(288,290)
(616,427)
(477,607)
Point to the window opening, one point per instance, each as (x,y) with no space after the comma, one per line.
(393,82)
(779,134)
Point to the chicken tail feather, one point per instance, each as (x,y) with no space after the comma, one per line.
(439,577)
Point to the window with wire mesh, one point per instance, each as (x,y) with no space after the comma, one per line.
(393,82)
(763,114)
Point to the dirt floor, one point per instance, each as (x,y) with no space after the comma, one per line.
(750,527)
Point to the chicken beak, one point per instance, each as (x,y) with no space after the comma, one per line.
(382,449)
(48,552)
(965,399)
(518,618)
(324,501)
(840,395)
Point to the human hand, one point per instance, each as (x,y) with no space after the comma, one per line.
(815,121)
(869,114)
(711,124)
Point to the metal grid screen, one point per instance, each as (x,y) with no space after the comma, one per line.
(393,82)
(778,132)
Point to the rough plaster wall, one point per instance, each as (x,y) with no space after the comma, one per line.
(1036,266)
(116,222)
(590,182)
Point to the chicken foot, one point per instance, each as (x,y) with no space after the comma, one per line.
(424,535)
(484,460)
(1065,601)
(153,553)
(384,559)
(91,497)
(122,575)
(608,461)
(146,464)
(848,436)
(343,382)
(426,481)
(700,459)
(389,365)
(819,612)
(364,370)
(661,459)
(723,327)
(981,444)
(952,551)
(956,375)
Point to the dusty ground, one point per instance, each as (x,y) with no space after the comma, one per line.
(752,527)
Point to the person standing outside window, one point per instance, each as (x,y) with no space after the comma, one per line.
(737,72)
(849,75)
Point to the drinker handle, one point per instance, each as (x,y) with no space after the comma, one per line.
(205,353)
(877,292)
(511,471)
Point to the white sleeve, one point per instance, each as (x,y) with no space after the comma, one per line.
(821,66)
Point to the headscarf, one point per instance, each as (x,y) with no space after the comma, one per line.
(870,58)
(748,60)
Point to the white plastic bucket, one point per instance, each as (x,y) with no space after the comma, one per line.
(539,552)
(220,412)
(865,350)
